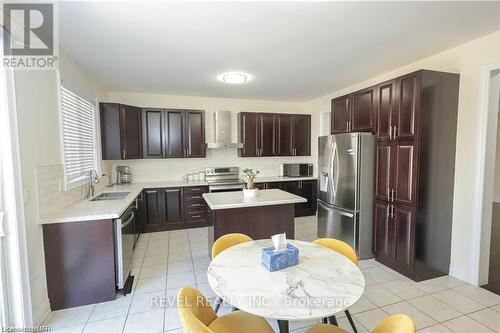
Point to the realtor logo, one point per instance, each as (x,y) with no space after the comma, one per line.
(29,36)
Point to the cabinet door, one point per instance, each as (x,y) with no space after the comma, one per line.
(302,135)
(285,134)
(248,134)
(267,134)
(131,132)
(173,205)
(174,138)
(404,236)
(305,189)
(275,185)
(340,115)
(383,179)
(404,183)
(386,96)
(154,210)
(110,131)
(152,133)
(260,186)
(362,110)
(383,238)
(408,105)
(194,133)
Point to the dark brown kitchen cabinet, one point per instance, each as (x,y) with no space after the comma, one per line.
(154,210)
(354,112)
(121,136)
(306,189)
(153,133)
(172,202)
(173,133)
(274,185)
(294,135)
(260,186)
(267,134)
(195,207)
(416,126)
(341,115)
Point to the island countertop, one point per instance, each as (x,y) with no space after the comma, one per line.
(228,200)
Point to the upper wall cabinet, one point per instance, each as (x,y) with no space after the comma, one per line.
(130,132)
(354,112)
(120,131)
(270,134)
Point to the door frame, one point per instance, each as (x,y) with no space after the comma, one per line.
(481,234)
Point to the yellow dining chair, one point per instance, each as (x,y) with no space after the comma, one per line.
(197,316)
(398,323)
(225,242)
(347,251)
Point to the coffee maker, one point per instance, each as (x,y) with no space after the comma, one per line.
(123,174)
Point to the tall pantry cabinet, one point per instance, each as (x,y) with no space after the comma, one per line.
(416,123)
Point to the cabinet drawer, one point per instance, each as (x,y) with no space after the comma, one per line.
(194,215)
(195,205)
(195,191)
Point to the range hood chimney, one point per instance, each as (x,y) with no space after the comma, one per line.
(222,127)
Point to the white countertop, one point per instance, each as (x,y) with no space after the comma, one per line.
(323,283)
(228,200)
(111,209)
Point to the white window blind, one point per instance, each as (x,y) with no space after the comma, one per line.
(79,137)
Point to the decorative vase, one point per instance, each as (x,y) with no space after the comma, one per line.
(250,192)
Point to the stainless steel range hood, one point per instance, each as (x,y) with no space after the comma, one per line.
(222,127)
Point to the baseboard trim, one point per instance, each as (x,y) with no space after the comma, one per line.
(460,274)
(42,313)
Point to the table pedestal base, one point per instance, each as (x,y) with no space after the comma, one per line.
(283,326)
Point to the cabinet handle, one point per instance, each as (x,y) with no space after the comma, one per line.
(195,216)
(196,205)
(393,194)
(124,153)
(347,126)
(196,197)
(395,135)
(392,211)
(350,126)
(388,212)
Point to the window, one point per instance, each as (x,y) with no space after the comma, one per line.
(79,138)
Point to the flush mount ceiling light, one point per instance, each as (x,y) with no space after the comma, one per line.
(234,77)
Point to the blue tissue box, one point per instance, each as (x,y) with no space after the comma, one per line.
(274,261)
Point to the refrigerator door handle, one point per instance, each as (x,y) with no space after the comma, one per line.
(340,212)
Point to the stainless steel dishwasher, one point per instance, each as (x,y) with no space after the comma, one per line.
(124,246)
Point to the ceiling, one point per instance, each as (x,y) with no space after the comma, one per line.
(295,51)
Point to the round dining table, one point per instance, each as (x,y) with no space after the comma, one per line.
(323,283)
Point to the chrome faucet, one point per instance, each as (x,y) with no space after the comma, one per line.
(92,179)
(110,184)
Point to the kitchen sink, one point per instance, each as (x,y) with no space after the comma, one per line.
(110,196)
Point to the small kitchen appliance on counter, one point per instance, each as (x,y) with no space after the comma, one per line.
(297,169)
(123,174)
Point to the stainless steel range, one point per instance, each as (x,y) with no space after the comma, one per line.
(224,179)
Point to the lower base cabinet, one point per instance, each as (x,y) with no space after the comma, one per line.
(174,208)
(306,189)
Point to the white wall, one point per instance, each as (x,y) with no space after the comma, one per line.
(39,139)
(496,191)
(174,169)
(467,60)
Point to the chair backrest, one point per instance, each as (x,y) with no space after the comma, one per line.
(226,241)
(339,246)
(398,323)
(195,311)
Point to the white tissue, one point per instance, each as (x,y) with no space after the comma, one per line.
(279,242)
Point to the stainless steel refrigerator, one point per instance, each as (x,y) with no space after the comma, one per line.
(345,196)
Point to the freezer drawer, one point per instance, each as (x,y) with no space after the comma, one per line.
(336,223)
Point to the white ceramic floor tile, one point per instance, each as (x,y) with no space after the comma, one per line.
(370,319)
(487,317)
(434,308)
(201,276)
(70,317)
(430,286)
(70,329)
(152,271)
(479,294)
(180,280)
(459,301)
(436,329)
(180,267)
(466,325)
(201,263)
(381,296)
(172,319)
(363,304)
(150,284)
(421,319)
(179,256)
(156,251)
(112,325)
(403,288)
(154,261)
(496,308)
(148,302)
(450,281)
(171,297)
(379,274)
(345,325)
(107,310)
(145,322)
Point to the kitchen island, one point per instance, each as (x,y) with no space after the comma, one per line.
(270,212)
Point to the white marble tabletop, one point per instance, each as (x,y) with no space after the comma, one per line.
(322,284)
(228,200)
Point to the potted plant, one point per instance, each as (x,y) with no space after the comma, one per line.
(250,175)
